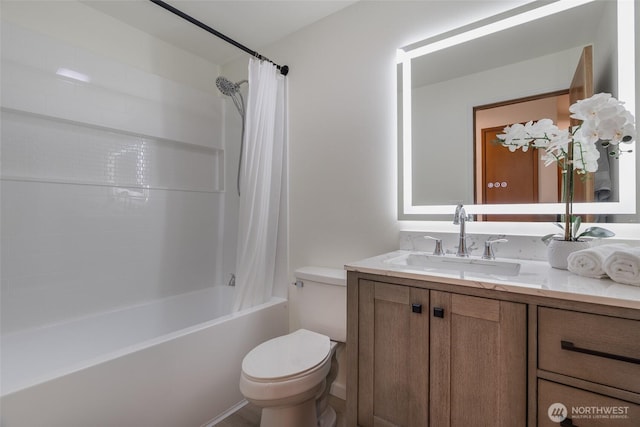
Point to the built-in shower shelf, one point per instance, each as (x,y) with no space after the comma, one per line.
(39,148)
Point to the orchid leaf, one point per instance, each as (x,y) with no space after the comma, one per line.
(577,221)
(545,239)
(594,232)
(597,232)
(560,226)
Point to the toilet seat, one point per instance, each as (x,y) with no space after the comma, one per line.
(291,366)
(286,357)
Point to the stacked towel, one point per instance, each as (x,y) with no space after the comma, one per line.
(590,262)
(623,266)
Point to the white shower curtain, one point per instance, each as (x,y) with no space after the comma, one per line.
(260,184)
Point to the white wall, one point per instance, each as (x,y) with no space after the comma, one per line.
(342,123)
(112,189)
(343,158)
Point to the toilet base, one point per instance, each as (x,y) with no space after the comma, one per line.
(300,415)
(328,418)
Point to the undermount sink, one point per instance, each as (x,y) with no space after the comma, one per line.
(414,260)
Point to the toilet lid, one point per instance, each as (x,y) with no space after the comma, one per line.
(287,355)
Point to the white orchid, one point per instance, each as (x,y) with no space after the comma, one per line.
(617,129)
(542,127)
(559,141)
(591,108)
(536,134)
(514,137)
(585,157)
(588,132)
(604,120)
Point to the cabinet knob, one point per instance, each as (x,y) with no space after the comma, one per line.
(567,422)
(416,308)
(438,312)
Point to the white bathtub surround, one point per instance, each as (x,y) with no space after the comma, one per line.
(113,203)
(111,187)
(261,184)
(179,367)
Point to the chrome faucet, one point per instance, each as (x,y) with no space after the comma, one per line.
(460,217)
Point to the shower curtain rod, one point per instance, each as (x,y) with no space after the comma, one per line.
(284,69)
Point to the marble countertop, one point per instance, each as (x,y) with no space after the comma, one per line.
(535,278)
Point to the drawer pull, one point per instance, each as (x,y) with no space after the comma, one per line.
(568,345)
(567,423)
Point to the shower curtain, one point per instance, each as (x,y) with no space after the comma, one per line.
(260,184)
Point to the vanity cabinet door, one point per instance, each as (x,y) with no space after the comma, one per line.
(393,355)
(478,361)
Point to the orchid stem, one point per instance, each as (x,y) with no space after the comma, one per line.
(568,193)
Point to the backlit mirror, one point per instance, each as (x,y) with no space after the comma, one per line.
(525,53)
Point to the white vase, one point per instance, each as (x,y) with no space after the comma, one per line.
(559,250)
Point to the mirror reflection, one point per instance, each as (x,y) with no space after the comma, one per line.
(453,99)
(502,176)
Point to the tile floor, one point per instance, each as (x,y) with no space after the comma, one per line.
(249,415)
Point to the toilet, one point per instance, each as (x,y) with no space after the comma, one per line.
(290,376)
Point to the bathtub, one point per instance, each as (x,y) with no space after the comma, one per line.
(173,362)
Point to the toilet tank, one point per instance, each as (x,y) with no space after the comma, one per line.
(322,301)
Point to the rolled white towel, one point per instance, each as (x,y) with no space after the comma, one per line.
(590,262)
(623,266)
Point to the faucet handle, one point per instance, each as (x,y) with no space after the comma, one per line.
(438,249)
(488,248)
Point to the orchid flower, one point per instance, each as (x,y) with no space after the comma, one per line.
(604,119)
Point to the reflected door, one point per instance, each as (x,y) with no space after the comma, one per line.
(508,177)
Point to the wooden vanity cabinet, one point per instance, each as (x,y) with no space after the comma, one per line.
(590,363)
(425,353)
(421,357)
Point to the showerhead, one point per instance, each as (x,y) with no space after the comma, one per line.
(227,87)
(232,90)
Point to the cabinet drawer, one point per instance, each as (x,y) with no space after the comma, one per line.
(601,349)
(582,408)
